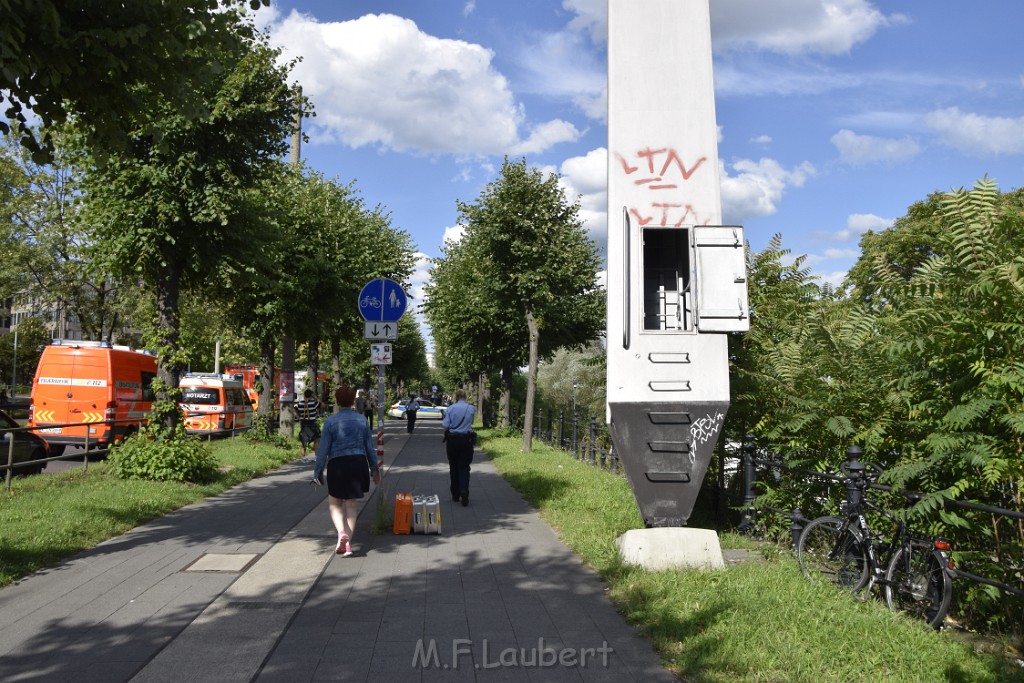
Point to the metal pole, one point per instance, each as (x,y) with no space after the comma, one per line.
(593,438)
(575,436)
(380,398)
(561,429)
(747,522)
(10,461)
(14,368)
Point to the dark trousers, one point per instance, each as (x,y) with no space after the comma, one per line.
(411,416)
(369,416)
(460,455)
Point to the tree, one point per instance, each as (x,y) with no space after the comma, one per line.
(529,240)
(180,206)
(53,257)
(32,336)
(899,251)
(108,65)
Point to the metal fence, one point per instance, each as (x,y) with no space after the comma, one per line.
(10,468)
(588,440)
(801,479)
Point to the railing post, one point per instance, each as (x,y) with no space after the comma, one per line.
(613,459)
(561,429)
(747,522)
(855,472)
(797,526)
(85,460)
(10,461)
(593,438)
(538,423)
(551,424)
(575,436)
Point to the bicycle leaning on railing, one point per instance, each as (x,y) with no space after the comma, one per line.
(915,573)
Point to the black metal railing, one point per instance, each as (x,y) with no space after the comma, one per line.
(588,440)
(798,478)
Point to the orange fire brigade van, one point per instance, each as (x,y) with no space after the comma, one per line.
(214,404)
(81,384)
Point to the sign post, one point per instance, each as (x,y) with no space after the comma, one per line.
(381,303)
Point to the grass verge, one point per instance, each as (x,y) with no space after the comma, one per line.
(46,518)
(759,621)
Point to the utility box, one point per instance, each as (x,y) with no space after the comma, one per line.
(677,280)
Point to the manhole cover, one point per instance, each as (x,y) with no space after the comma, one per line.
(222,562)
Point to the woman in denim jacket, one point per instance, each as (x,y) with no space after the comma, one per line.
(348,455)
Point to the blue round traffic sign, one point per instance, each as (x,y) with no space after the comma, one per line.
(382,300)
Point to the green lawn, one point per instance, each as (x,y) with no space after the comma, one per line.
(759,621)
(45,518)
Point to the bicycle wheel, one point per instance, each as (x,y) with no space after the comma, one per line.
(916,582)
(829,551)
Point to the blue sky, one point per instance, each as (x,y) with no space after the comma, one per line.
(834,115)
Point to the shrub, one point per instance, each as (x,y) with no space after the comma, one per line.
(178,458)
(263,432)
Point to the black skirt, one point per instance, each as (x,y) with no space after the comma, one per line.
(348,476)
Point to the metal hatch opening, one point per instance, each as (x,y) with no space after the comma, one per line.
(666,279)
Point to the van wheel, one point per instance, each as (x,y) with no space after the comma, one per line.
(55,451)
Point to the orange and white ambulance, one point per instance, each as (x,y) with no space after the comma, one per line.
(81,384)
(214,404)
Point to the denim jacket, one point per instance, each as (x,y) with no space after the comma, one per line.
(345,433)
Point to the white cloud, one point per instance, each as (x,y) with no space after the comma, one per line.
(587,177)
(591,17)
(762,140)
(856,225)
(468,8)
(977,135)
(858,150)
(379,80)
(564,65)
(453,234)
(796,26)
(757,188)
(834,253)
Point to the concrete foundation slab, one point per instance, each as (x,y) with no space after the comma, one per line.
(671,548)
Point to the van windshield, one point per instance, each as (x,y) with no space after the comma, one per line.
(200,395)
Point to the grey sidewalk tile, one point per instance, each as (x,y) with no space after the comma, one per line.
(395,656)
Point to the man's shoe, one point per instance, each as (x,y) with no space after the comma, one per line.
(465,500)
(455,498)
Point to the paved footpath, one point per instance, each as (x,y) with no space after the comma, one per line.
(246,587)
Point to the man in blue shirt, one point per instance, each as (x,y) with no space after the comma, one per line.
(459,441)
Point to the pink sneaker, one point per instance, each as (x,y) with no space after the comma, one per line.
(344,547)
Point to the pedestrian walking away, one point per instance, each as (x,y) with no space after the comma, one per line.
(411,409)
(364,405)
(308,410)
(349,458)
(459,439)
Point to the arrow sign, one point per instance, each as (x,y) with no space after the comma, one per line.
(372,330)
(380,354)
(382,300)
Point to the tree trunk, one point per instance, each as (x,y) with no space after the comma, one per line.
(168,332)
(313,366)
(531,379)
(484,400)
(506,399)
(335,369)
(267,352)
